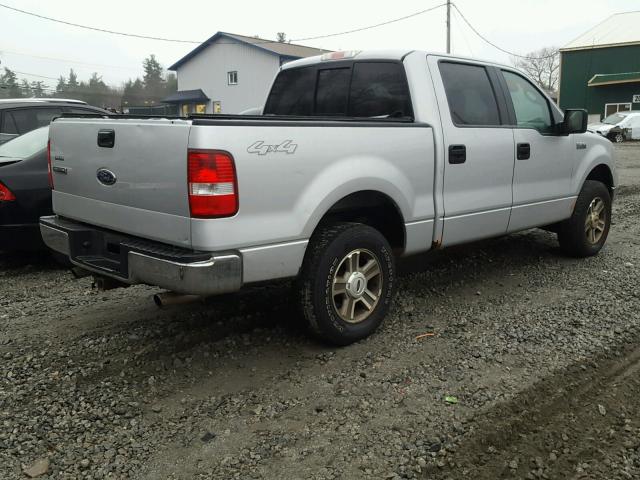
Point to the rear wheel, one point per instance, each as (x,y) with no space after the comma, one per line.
(347,282)
(585,233)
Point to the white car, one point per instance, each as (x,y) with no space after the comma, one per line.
(618,127)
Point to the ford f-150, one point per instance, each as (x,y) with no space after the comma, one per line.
(356,159)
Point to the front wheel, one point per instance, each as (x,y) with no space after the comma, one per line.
(347,282)
(617,137)
(584,234)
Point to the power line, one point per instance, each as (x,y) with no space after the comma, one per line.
(97,29)
(493,44)
(174,40)
(66,60)
(369,27)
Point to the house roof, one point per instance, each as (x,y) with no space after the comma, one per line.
(618,29)
(289,50)
(614,78)
(186,96)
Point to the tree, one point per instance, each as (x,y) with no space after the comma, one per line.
(282,37)
(9,84)
(38,89)
(543,66)
(26,88)
(73,80)
(171,83)
(62,84)
(153,75)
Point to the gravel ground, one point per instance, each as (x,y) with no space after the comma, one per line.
(539,352)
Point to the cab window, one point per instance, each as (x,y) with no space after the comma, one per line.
(530,106)
(472,101)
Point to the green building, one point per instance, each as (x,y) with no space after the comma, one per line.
(600,70)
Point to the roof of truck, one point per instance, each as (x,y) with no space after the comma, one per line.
(393,55)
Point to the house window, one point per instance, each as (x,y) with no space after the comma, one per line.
(189,108)
(611,108)
(232,78)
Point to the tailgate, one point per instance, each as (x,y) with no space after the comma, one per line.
(133,180)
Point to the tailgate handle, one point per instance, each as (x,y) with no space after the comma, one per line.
(106,138)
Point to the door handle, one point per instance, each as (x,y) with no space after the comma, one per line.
(524,151)
(457,154)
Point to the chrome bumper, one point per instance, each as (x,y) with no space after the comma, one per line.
(214,274)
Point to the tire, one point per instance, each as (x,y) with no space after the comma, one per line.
(578,236)
(617,137)
(338,282)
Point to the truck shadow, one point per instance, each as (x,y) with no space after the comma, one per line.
(40,260)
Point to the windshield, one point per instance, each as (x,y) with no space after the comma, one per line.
(614,119)
(26,145)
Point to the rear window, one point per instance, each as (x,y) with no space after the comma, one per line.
(359,89)
(332,94)
(292,93)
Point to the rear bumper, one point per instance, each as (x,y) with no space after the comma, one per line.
(133,260)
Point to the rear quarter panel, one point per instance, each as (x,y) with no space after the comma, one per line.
(283,196)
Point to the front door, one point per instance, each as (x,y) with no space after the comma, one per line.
(544,160)
(479,152)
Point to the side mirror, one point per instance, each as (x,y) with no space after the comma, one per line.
(575,121)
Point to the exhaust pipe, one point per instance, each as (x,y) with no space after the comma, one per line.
(166,299)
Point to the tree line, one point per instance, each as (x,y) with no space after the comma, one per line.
(147,91)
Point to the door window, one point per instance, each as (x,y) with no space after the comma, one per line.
(470,95)
(379,89)
(17,121)
(531,107)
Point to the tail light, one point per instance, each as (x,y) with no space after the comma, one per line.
(6,195)
(213,189)
(49,172)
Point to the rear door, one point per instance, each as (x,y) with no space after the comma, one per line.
(544,160)
(479,152)
(128,175)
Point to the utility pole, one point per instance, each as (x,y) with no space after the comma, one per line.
(448,26)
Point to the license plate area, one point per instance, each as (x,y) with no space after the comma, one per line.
(101,250)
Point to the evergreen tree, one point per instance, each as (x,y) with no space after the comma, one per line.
(9,84)
(26,88)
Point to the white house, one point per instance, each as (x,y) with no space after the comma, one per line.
(230,73)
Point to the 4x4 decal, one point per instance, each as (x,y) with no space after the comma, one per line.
(261,148)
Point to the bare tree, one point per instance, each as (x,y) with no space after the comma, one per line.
(282,37)
(542,66)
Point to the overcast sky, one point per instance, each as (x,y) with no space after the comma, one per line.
(516,25)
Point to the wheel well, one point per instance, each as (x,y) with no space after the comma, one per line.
(602,174)
(371,208)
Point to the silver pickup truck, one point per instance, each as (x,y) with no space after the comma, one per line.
(357,158)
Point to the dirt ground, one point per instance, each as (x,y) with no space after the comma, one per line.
(533,371)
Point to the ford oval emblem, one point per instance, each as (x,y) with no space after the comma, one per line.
(106,177)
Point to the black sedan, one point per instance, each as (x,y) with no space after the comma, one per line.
(25,194)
